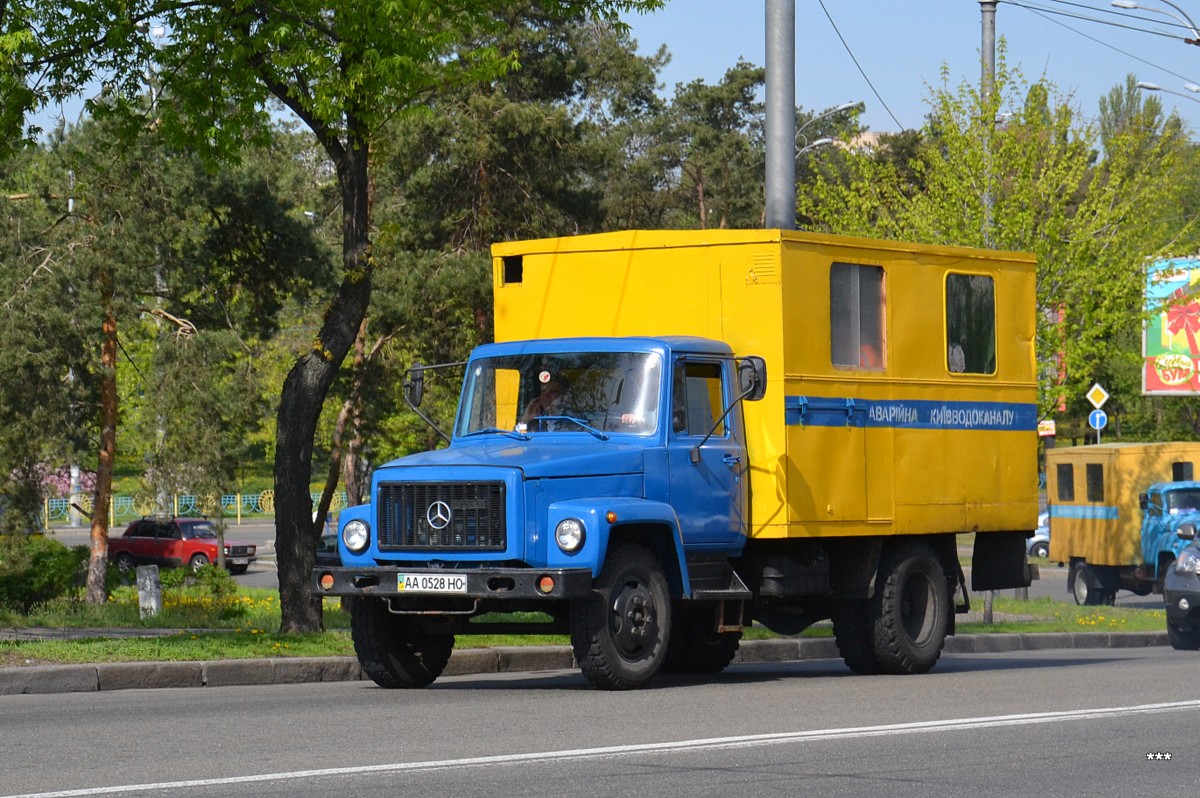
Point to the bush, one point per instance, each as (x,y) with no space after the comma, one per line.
(35,569)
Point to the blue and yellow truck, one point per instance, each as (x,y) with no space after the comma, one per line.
(680,433)
(1115,512)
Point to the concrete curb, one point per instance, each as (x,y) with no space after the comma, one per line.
(297,670)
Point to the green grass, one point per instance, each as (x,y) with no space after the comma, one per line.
(244,625)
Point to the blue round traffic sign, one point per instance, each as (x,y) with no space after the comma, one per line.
(1097,419)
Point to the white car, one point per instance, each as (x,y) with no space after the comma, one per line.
(1039,544)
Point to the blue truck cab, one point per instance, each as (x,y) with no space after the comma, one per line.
(1166,508)
(631,477)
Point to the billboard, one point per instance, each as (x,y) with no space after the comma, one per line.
(1171,332)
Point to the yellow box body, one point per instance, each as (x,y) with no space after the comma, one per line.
(768,293)
(1102,523)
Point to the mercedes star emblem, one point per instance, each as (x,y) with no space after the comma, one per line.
(438,515)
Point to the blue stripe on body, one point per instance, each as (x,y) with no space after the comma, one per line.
(1089,512)
(821,411)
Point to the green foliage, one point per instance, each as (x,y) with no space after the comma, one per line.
(35,569)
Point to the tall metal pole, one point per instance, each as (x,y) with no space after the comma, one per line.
(987,83)
(781,114)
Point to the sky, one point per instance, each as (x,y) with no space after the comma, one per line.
(901,47)
(887,54)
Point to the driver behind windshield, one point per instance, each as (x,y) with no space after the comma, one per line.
(550,399)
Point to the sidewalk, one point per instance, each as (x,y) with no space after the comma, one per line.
(225,673)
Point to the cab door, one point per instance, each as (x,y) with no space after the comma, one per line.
(707,475)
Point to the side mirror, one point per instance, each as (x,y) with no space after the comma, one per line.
(752,377)
(1143,501)
(414,385)
(1186,532)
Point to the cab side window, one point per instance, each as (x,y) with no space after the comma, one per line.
(697,398)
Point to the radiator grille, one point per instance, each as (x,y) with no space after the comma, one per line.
(441,515)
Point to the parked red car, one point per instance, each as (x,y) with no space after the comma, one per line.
(177,542)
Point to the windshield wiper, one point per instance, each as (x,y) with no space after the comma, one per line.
(497,431)
(583,424)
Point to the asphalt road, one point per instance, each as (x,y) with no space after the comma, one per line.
(1080,722)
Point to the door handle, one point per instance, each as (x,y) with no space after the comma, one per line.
(731,459)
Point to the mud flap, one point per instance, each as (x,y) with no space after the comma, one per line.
(999,562)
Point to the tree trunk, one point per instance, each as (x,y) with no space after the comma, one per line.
(352,457)
(97,592)
(304,393)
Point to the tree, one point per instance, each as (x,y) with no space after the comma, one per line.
(48,385)
(719,152)
(343,68)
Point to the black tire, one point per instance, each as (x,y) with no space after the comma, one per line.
(854,632)
(393,649)
(1040,550)
(911,609)
(197,562)
(1081,586)
(125,562)
(1165,564)
(1183,639)
(619,631)
(238,570)
(1085,592)
(696,647)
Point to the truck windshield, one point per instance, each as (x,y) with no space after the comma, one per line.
(1183,501)
(562,392)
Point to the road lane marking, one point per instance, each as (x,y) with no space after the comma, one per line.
(712,743)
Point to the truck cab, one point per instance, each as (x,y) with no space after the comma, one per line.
(562,452)
(1166,508)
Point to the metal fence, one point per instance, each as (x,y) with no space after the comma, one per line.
(127,508)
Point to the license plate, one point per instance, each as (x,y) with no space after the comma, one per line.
(240,561)
(431,583)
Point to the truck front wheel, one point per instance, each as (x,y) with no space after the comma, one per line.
(619,631)
(394,650)
(911,609)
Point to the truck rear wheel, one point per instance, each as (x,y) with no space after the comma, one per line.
(619,631)
(394,650)
(1086,590)
(854,632)
(911,609)
(696,646)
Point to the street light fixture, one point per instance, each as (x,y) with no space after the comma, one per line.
(1192,87)
(820,142)
(1181,17)
(825,142)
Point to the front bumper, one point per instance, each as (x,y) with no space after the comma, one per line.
(1185,587)
(481,583)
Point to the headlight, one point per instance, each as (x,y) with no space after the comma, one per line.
(1188,562)
(356,535)
(569,534)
